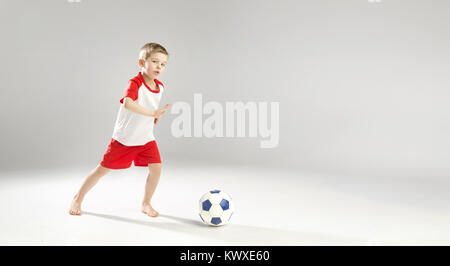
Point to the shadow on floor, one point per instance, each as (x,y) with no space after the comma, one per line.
(235,234)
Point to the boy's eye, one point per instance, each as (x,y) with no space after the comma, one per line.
(157,62)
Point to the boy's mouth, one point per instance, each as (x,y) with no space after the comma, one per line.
(156,72)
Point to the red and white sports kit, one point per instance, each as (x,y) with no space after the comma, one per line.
(133,138)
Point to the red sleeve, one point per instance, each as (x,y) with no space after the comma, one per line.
(132,91)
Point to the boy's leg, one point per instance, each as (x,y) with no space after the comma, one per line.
(89,182)
(150,186)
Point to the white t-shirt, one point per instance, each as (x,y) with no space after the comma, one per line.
(133,129)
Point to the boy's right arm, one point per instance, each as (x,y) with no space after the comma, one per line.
(132,106)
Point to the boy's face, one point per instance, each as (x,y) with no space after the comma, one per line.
(154,65)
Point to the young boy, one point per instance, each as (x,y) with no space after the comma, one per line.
(133,138)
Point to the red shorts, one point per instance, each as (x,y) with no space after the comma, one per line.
(119,156)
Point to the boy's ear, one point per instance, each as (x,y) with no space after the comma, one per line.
(141,63)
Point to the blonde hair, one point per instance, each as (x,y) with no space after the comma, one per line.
(150,48)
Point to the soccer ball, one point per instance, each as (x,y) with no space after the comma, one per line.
(216,208)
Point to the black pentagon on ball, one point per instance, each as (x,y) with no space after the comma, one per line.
(225,204)
(206,205)
(214,191)
(216,220)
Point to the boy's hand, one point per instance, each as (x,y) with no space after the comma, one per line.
(160,112)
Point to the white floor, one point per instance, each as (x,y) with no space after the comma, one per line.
(272,208)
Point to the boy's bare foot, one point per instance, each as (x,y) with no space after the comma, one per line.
(147,209)
(75,208)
